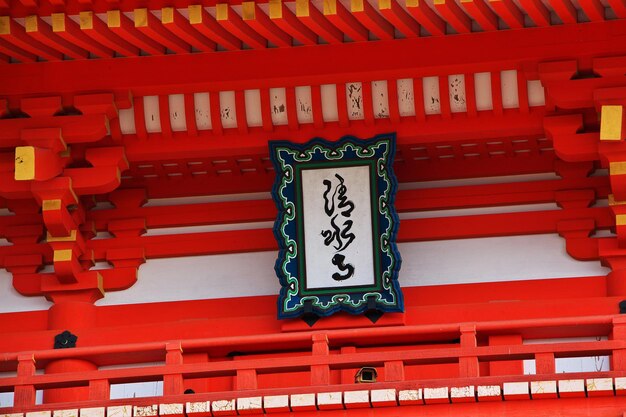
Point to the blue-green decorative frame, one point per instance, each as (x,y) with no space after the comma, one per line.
(289,159)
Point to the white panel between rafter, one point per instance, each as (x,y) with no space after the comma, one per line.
(482,91)
(536,94)
(329,102)
(278,103)
(304,106)
(354,101)
(177,112)
(202,105)
(380,99)
(432,101)
(406,97)
(254,115)
(127,121)
(151,114)
(510,95)
(456,88)
(227,109)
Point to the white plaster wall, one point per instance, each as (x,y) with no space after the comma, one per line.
(569,365)
(460,261)
(424,263)
(12,301)
(442,262)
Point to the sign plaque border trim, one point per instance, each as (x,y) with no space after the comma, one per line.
(289,159)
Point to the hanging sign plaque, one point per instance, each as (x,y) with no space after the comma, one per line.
(336,226)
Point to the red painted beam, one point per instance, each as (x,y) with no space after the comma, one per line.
(233,23)
(255,142)
(69,30)
(479,52)
(509,12)
(150,26)
(42,32)
(454,15)
(537,11)
(426,17)
(339,16)
(180,27)
(371,19)
(399,18)
(480,11)
(619,7)
(13,51)
(289,23)
(565,10)
(206,24)
(308,14)
(406,201)
(122,26)
(263,25)
(13,33)
(593,9)
(76,129)
(99,32)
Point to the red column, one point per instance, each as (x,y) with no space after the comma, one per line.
(72,312)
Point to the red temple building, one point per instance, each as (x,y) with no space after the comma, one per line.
(137,250)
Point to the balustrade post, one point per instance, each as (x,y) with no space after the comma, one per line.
(468,365)
(320,374)
(99,389)
(394,371)
(515,367)
(347,375)
(246,379)
(618,358)
(173,383)
(24,395)
(544,363)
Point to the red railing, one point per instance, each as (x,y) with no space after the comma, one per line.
(318,353)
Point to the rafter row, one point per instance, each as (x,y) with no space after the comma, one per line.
(31,34)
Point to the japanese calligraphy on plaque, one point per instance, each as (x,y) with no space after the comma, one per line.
(336,226)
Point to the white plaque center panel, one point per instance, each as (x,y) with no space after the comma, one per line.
(343,250)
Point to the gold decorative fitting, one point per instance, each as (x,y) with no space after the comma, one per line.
(620,219)
(302,8)
(330,7)
(612,201)
(100,281)
(58,22)
(356,5)
(30,23)
(51,205)
(412,3)
(114,19)
(276,9)
(384,4)
(195,14)
(70,238)
(63,255)
(86,20)
(617,168)
(141,18)
(24,163)
(167,15)
(611,123)
(5,25)
(221,11)
(248,10)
